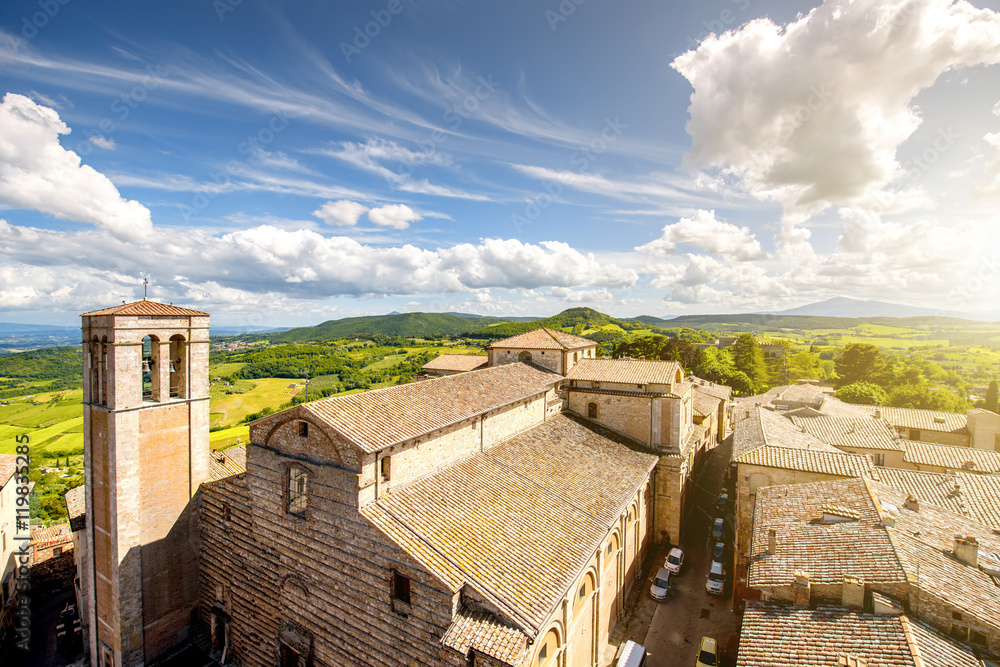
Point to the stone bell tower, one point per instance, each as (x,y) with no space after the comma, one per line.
(146,452)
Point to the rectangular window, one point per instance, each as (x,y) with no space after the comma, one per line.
(959,632)
(57,551)
(979,638)
(879,459)
(544,653)
(401,587)
(304,429)
(288,657)
(297,488)
(914,434)
(386,467)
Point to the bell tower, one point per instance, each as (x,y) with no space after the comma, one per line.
(146,452)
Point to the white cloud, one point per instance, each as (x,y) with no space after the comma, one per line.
(103,142)
(37,173)
(397,216)
(992,184)
(704,231)
(812,113)
(343,212)
(302,264)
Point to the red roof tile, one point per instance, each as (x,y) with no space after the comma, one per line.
(144,307)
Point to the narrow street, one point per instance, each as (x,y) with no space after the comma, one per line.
(672,630)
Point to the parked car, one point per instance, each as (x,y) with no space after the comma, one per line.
(660,588)
(675,560)
(633,655)
(708,653)
(716,582)
(723,503)
(719,552)
(718,529)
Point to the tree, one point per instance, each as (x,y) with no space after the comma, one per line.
(991,397)
(860,362)
(749,358)
(863,393)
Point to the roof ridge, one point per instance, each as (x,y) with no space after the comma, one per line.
(911,642)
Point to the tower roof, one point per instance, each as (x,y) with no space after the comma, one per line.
(544,339)
(145,307)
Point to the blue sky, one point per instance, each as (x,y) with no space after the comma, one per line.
(287,163)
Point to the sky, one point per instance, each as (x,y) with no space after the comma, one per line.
(286,163)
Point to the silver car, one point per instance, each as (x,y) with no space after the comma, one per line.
(660,589)
(716,583)
(675,560)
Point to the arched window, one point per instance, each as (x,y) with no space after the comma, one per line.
(298,491)
(178,367)
(575,357)
(150,368)
(524,356)
(548,649)
(583,594)
(592,410)
(104,372)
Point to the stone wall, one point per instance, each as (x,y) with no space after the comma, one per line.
(629,415)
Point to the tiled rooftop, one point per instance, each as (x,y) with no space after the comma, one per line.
(925,420)
(457,521)
(456,362)
(705,404)
(888,543)
(76,507)
(627,371)
(806,460)
(42,535)
(8,464)
(227,462)
(799,393)
(544,339)
(851,432)
(947,456)
(149,308)
(481,631)
(382,417)
(756,427)
(784,636)
(970,494)
(720,391)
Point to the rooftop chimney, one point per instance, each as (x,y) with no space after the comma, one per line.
(967,550)
(801,589)
(772,542)
(853,592)
(912,503)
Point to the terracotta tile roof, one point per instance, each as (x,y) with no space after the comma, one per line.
(51,535)
(76,507)
(152,308)
(544,339)
(704,404)
(889,543)
(947,456)
(851,432)
(925,420)
(481,631)
(627,371)
(457,521)
(456,362)
(756,427)
(799,393)
(720,391)
(8,464)
(826,551)
(784,636)
(968,494)
(227,462)
(382,417)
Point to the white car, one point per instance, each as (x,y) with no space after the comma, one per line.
(660,588)
(716,583)
(675,560)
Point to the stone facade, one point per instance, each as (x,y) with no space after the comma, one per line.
(146,454)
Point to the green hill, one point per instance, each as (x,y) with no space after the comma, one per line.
(51,363)
(406,325)
(575,320)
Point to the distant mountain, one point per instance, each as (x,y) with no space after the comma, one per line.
(407,325)
(244,329)
(15,328)
(842,306)
(648,319)
(763,321)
